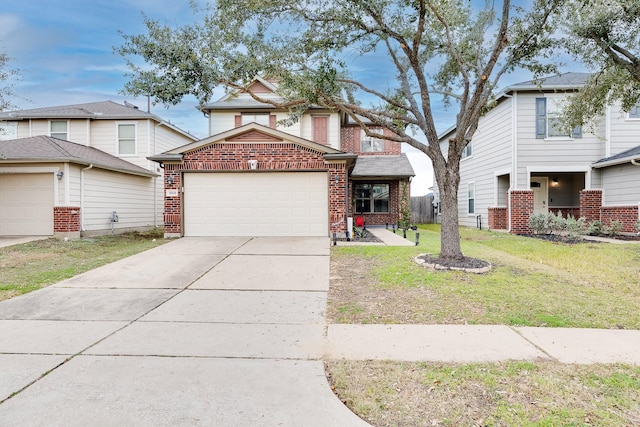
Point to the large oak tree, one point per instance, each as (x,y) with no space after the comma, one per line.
(417,54)
(605,36)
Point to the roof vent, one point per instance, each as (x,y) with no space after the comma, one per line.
(130,105)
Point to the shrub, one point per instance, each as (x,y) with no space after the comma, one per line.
(638,226)
(557,223)
(614,228)
(576,227)
(595,227)
(539,223)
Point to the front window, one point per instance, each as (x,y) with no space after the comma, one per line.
(260,118)
(8,130)
(127,139)
(372,198)
(58,129)
(369,144)
(471,198)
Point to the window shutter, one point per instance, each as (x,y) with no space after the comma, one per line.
(238,120)
(577,132)
(320,125)
(541,118)
(272,121)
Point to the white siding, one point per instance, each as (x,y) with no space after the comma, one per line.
(130,196)
(491,153)
(621,185)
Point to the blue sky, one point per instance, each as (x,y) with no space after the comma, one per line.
(64,53)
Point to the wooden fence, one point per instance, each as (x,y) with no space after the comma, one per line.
(422,210)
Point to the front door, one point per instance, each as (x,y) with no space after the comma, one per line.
(540,187)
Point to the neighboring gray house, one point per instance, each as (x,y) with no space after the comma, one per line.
(520,161)
(44,177)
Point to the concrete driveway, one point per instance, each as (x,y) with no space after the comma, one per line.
(199,331)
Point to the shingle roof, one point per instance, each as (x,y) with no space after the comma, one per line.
(383,166)
(560,81)
(104,110)
(624,157)
(48,149)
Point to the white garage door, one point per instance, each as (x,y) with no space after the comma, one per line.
(256,204)
(26,204)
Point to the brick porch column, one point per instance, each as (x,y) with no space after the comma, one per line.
(498,218)
(66,222)
(590,204)
(521,210)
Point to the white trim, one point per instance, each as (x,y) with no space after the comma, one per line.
(607,132)
(514,143)
(29,169)
(66,178)
(88,132)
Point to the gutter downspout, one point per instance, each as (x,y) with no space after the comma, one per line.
(82,225)
(513,179)
(635,162)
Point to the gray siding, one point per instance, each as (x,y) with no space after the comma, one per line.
(550,154)
(491,154)
(621,185)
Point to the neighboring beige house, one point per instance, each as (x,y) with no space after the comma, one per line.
(46,181)
(520,161)
(255,176)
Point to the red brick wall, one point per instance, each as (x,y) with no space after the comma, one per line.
(628,215)
(66,219)
(590,203)
(521,210)
(350,143)
(276,156)
(498,218)
(395,194)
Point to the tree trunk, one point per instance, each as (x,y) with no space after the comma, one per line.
(448,181)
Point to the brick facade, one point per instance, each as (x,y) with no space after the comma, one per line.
(66,221)
(498,218)
(271,156)
(521,209)
(350,143)
(590,204)
(628,215)
(395,195)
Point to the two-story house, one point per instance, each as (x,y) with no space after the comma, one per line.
(521,161)
(76,169)
(259,174)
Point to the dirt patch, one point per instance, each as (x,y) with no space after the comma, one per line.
(503,394)
(356,296)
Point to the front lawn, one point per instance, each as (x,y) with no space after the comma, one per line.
(533,283)
(31,266)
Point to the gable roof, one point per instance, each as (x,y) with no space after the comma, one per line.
(383,166)
(104,110)
(627,156)
(40,149)
(550,83)
(265,133)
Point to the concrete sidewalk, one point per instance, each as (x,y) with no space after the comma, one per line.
(226,331)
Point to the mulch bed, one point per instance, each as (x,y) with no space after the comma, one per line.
(573,240)
(470,265)
(363,236)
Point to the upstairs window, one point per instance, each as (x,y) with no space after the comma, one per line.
(548,123)
(372,198)
(369,144)
(260,118)
(634,113)
(8,130)
(59,129)
(468,150)
(126,139)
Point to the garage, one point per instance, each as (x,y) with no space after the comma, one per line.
(27,204)
(256,204)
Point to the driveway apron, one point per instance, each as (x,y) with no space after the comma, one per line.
(199,331)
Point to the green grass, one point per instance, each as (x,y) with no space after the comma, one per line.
(30,266)
(532,283)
